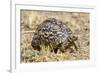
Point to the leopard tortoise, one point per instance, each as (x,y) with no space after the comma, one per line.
(54,33)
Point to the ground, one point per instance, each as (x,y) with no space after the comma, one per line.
(78,22)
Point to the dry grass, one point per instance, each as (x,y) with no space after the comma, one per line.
(78,23)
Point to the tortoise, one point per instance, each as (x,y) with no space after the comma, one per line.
(55,34)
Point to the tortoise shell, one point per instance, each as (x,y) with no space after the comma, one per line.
(54,33)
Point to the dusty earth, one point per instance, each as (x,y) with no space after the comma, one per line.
(78,22)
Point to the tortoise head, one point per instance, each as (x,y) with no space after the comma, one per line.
(72,38)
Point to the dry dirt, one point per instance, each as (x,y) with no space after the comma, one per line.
(78,22)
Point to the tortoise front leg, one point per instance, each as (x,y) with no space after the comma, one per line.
(72,43)
(75,46)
